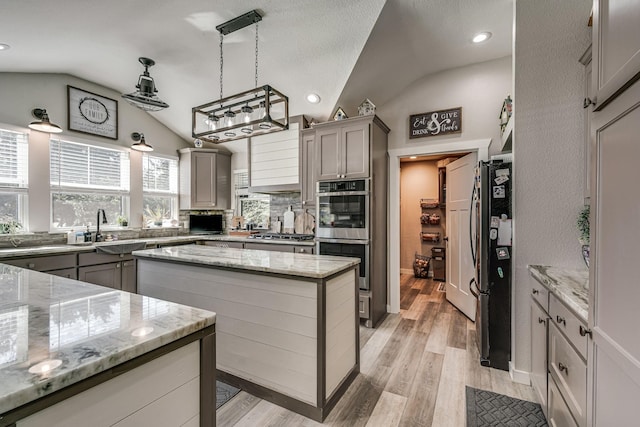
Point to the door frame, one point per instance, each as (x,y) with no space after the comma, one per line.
(481,146)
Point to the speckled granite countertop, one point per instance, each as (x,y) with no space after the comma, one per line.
(293,264)
(62,249)
(88,328)
(570,286)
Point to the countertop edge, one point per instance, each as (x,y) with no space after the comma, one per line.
(563,284)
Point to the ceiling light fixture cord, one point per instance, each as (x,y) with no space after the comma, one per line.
(256,54)
(221,62)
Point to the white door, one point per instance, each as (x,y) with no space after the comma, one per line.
(460,267)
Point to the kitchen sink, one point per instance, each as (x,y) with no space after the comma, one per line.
(120,248)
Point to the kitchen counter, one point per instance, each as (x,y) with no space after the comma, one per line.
(291,264)
(89,329)
(288,323)
(570,286)
(90,247)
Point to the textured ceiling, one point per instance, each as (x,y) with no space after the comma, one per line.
(343,50)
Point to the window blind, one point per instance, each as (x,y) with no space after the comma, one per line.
(159,175)
(81,166)
(13,160)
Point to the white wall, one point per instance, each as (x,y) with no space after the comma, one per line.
(548,145)
(22,92)
(479,89)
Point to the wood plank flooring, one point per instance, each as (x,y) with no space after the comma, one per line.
(414,368)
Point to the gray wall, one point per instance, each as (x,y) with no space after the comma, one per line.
(479,89)
(551,36)
(22,92)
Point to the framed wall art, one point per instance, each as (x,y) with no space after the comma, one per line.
(92,113)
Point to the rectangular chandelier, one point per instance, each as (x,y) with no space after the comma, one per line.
(254,112)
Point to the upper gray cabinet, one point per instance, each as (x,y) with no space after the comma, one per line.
(274,159)
(616,48)
(205,179)
(343,147)
(307,164)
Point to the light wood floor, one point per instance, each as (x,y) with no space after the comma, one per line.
(414,368)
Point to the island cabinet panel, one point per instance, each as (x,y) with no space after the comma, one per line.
(286,324)
(341,348)
(266,327)
(164,391)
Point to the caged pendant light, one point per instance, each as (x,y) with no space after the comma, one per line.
(253,112)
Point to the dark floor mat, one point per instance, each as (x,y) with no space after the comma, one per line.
(485,408)
(224,392)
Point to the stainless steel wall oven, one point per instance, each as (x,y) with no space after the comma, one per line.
(349,248)
(342,209)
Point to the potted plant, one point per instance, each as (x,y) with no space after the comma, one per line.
(10,227)
(582,223)
(156,215)
(122,221)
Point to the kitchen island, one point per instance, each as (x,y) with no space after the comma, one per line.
(287,323)
(73,353)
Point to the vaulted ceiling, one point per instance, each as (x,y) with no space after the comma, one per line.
(343,50)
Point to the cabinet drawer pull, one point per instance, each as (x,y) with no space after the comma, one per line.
(31,265)
(563,367)
(535,292)
(584,332)
(541,320)
(561,320)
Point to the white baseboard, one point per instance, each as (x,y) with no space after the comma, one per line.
(521,377)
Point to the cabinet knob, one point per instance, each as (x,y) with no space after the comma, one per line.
(303,251)
(535,292)
(541,320)
(563,367)
(584,332)
(31,265)
(561,320)
(118,265)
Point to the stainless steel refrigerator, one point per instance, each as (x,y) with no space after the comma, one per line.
(491,242)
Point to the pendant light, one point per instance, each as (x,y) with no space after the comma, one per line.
(255,111)
(43,124)
(145,97)
(141,144)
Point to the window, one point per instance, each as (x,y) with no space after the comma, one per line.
(254,207)
(160,190)
(13,181)
(85,178)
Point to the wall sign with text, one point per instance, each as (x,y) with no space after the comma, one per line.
(435,123)
(92,113)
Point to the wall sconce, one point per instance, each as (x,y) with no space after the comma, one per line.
(43,124)
(141,144)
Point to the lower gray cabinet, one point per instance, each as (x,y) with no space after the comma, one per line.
(117,271)
(69,273)
(109,275)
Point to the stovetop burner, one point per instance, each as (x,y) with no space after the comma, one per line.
(281,236)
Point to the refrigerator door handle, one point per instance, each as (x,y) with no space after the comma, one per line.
(473,284)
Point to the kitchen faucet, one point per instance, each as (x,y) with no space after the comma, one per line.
(104,221)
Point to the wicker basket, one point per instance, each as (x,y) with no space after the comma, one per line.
(429,203)
(421,266)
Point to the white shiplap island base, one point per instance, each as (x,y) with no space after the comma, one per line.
(286,325)
(77,354)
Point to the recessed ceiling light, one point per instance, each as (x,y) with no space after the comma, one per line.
(313,98)
(480,37)
(4,46)
(413,157)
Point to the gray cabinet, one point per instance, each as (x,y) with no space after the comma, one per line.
(109,275)
(58,265)
(117,271)
(342,149)
(616,48)
(205,179)
(269,247)
(308,168)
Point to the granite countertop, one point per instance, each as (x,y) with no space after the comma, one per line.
(292,264)
(88,328)
(7,253)
(570,286)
